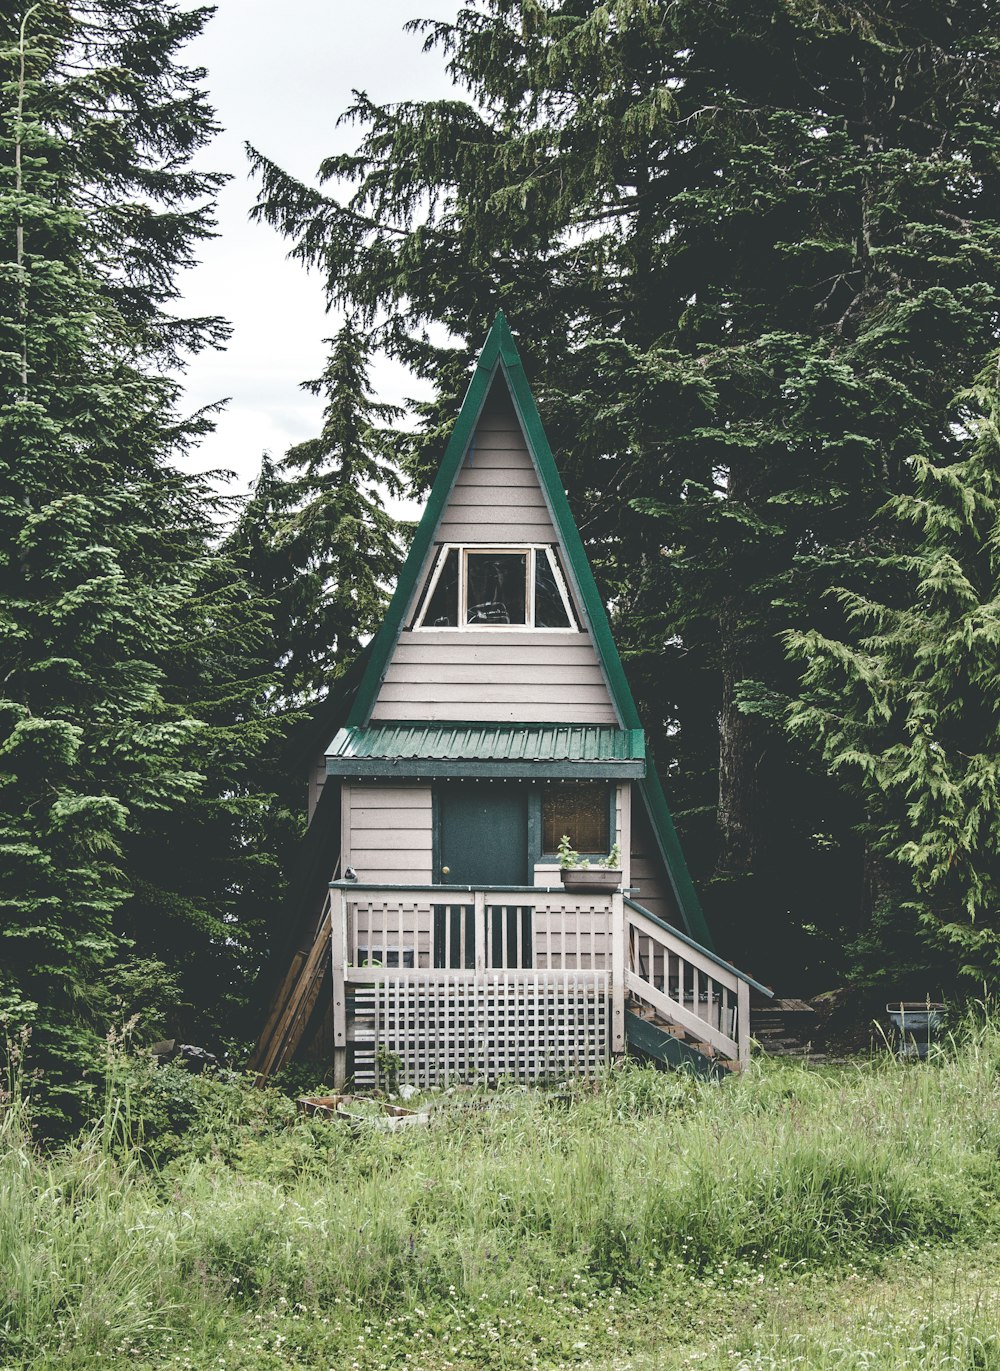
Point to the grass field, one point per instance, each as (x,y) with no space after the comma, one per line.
(793,1217)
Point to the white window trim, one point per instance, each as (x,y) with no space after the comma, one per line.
(532,550)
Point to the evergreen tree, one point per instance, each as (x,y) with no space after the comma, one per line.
(316,539)
(906,705)
(750,252)
(109,591)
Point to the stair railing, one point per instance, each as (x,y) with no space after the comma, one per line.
(686,985)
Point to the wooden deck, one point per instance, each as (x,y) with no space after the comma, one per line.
(531,983)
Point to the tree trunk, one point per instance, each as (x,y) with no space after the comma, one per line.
(740,751)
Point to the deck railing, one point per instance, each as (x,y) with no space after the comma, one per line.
(422,928)
(526,948)
(409,944)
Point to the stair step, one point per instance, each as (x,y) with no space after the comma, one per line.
(649,1015)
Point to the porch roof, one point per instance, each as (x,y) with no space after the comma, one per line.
(511,751)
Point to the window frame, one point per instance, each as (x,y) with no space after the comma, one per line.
(537,822)
(531,552)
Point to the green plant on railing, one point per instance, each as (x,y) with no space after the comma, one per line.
(570,859)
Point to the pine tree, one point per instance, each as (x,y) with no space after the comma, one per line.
(750,253)
(316,539)
(108,584)
(906,704)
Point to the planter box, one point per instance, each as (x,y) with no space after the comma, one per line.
(591,878)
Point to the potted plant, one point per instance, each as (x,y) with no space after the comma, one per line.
(578,874)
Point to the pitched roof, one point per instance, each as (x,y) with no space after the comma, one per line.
(500,358)
(514,751)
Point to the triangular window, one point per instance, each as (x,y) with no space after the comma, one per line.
(504,586)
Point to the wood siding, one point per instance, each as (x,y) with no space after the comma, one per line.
(497,496)
(494,675)
(314,788)
(388,833)
(647,870)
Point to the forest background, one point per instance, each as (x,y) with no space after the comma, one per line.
(750,253)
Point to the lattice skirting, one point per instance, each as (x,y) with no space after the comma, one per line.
(523,1026)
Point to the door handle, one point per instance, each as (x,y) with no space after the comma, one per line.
(446,871)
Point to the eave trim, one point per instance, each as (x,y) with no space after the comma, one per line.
(405,768)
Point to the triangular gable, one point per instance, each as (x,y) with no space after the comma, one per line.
(500,359)
(495,673)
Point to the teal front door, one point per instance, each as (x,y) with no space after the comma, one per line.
(482,834)
(482,840)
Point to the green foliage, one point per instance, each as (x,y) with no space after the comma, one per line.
(567,1227)
(126,644)
(315,538)
(905,704)
(750,253)
(571,860)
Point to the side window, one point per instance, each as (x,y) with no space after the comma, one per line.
(441,605)
(582,812)
(551,602)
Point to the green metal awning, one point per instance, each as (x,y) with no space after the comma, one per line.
(512,751)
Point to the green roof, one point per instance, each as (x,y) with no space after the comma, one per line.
(513,751)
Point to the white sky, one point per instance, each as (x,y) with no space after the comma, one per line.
(279,75)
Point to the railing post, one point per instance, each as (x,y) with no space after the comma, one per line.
(617,973)
(743,1021)
(338,962)
(480,909)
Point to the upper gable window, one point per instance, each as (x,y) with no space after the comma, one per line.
(505,586)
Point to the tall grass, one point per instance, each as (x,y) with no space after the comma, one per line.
(251,1214)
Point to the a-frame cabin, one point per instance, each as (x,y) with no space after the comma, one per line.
(490,717)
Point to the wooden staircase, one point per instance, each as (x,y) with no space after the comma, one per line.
(653,1038)
(684,1007)
(785,1028)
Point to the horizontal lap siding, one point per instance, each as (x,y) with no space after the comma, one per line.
(648,873)
(495,677)
(497,496)
(492,675)
(389,833)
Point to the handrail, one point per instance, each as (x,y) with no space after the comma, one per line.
(370,974)
(677,1013)
(697,947)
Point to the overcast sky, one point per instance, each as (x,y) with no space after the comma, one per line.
(279,74)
